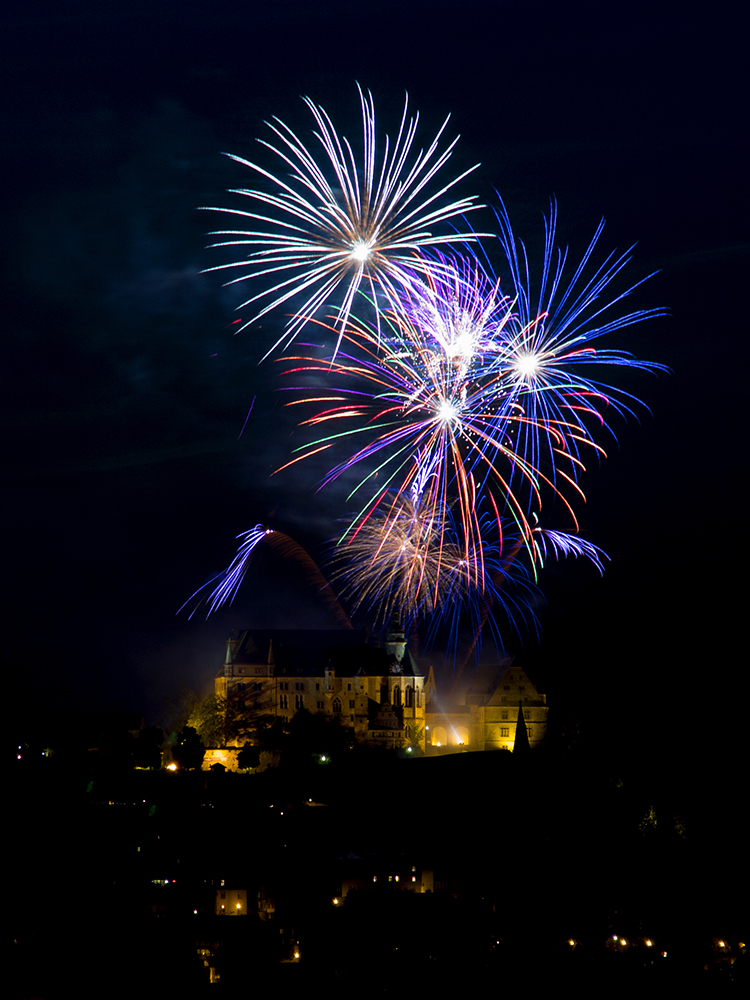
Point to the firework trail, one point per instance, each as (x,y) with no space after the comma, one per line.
(560,545)
(339,223)
(228,581)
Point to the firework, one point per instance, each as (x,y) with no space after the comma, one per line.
(339,225)
(434,389)
(410,562)
(550,353)
(455,408)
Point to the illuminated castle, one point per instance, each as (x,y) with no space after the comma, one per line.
(377,693)
(380,694)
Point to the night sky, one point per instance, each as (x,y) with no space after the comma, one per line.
(127,474)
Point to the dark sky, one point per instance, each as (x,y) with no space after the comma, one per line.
(125,391)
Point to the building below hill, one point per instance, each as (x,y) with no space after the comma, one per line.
(380,693)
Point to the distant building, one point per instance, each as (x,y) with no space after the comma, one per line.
(488,713)
(380,693)
(230,902)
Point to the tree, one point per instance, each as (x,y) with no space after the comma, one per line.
(147,747)
(249,757)
(188,748)
(222,722)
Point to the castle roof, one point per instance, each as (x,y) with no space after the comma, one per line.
(308,652)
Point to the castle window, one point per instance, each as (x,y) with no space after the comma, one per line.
(504,731)
(298,701)
(409,696)
(351,703)
(397,696)
(527,715)
(283,701)
(504,714)
(321,704)
(337,706)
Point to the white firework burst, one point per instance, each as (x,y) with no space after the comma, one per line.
(334,222)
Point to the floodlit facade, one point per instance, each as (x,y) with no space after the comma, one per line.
(495,707)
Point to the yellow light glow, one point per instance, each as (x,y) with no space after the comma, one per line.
(648,942)
(171,767)
(335,902)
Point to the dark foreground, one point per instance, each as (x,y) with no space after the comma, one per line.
(371,876)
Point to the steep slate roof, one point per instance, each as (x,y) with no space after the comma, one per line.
(307,652)
(484,688)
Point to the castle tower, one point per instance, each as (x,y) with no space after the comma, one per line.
(395,641)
